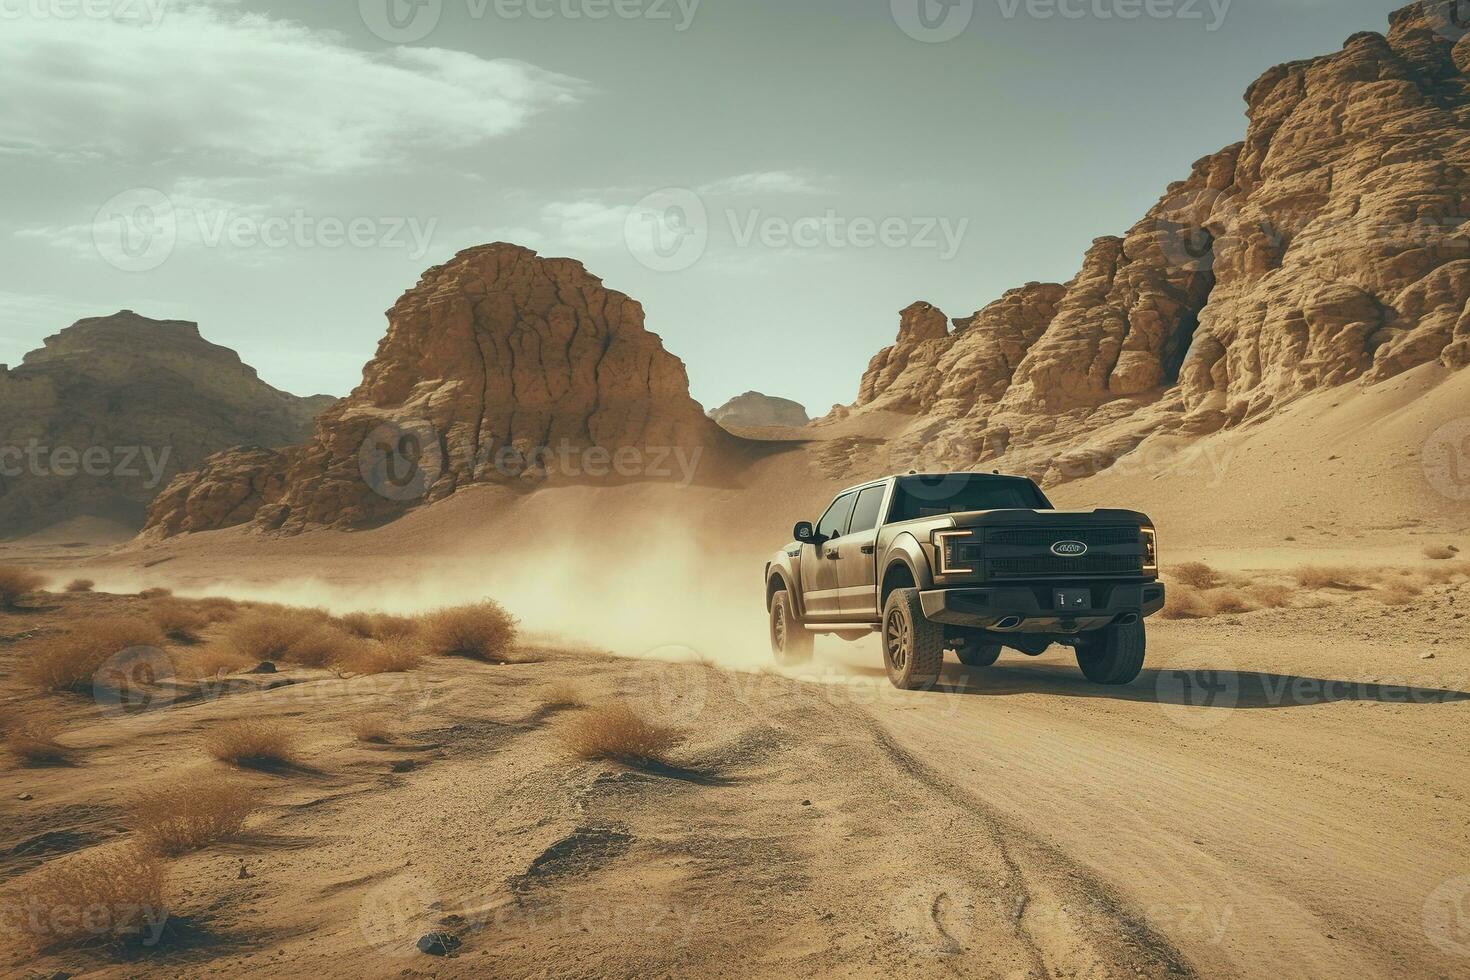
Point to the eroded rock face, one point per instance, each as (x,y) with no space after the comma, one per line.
(98,420)
(1331,246)
(754,410)
(499,366)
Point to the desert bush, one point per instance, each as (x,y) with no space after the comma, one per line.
(1183,602)
(1440,552)
(252,743)
(216,609)
(17,583)
(619,733)
(185,817)
(1227,601)
(1272,595)
(32,739)
(213,661)
(483,631)
(564,694)
(372,727)
(1196,575)
(388,657)
(179,621)
(113,896)
(1446,571)
(1398,593)
(379,626)
(300,636)
(80,585)
(70,661)
(1332,577)
(155,593)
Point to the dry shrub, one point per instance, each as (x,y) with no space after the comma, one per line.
(1227,601)
(300,636)
(373,728)
(217,609)
(253,743)
(379,626)
(155,593)
(1332,577)
(1448,571)
(1398,593)
(1440,552)
(17,583)
(388,657)
(185,817)
(113,896)
(179,621)
(214,661)
(564,694)
(1196,575)
(483,631)
(617,732)
(70,661)
(1271,595)
(1182,602)
(80,585)
(32,740)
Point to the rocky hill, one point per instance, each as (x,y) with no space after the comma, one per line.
(498,367)
(754,410)
(111,408)
(1331,246)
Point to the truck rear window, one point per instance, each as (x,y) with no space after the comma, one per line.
(933,496)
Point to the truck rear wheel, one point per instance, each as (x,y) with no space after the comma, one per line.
(790,642)
(1115,655)
(913,647)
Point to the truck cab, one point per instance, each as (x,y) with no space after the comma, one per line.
(969,562)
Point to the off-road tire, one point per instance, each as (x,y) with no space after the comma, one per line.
(791,644)
(974,654)
(1115,656)
(913,647)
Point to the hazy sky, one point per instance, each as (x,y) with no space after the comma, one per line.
(773,179)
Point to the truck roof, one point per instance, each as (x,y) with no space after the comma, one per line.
(931,476)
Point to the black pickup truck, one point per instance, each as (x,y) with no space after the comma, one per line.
(970,562)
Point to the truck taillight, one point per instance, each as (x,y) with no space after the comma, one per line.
(947,546)
(1150,550)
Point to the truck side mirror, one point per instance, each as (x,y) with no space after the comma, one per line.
(804,532)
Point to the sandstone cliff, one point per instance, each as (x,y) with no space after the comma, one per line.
(1329,247)
(96,421)
(498,367)
(754,410)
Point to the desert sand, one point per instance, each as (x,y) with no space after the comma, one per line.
(1281,793)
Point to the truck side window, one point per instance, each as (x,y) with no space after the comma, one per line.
(865,514)
(834,523)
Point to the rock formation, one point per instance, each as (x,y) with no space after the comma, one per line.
(1331,246)
(754,410)
(499,366)
(100,418)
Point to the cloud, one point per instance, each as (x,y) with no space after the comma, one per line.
(206,85)
(763,182)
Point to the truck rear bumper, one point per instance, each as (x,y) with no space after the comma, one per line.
(1031,609)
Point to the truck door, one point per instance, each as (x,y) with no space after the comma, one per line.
(818,571)
(857,562)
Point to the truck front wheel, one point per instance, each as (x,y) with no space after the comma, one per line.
(913,647)
(790,642)
(1113,655)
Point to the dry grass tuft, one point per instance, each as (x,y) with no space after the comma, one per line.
(179,621)
(388,657)
(155,593)
(300,636)
(1332,577)
(214,661)
(564,694)
(379,626)
(1271,595)
(1196,575)
(80,585)
(1227,601)
(114,896)
(619,733)
(1399,593)
(373,727)
(70,661)
(32,739)
(188,816)
(17,583)
(483,631)
(1182,602)
(253,743)
(1440,552)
